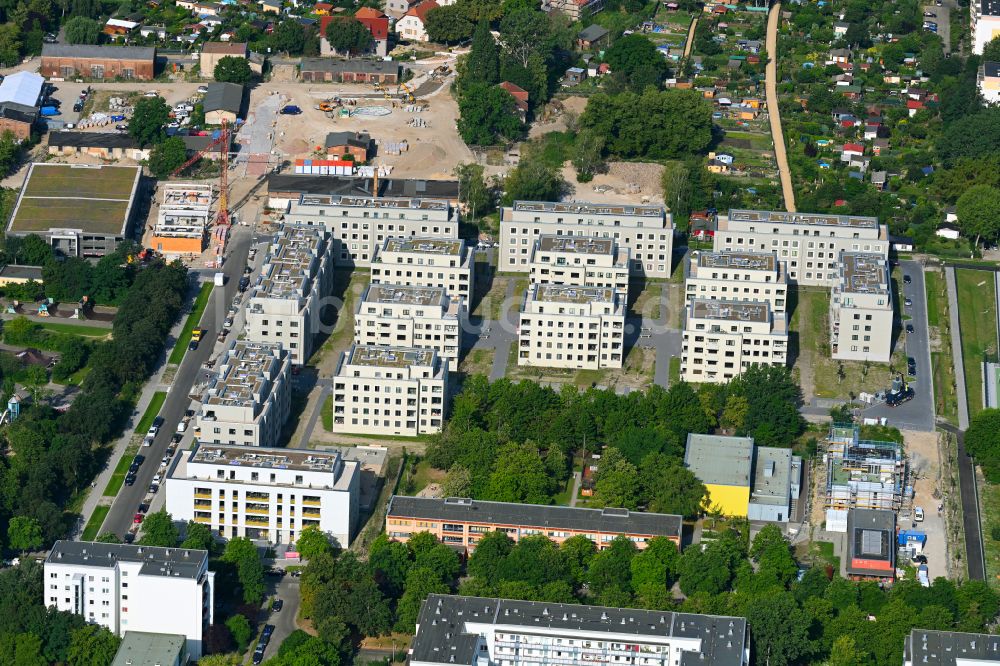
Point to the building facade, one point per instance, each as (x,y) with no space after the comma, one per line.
(988,81)
(462,522)
(361,224)
(502,632)
(133,588)
(265,494)
(213,52)
(582,261)
(571,327)
(286,301)
(723,338)
(647,232)
(330,70)
(65,61)
(426,262)
(738,276)
(248,400)
(809,244)
(400,315)
(861,315)
(390,391)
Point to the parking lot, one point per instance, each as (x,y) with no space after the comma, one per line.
(940,15)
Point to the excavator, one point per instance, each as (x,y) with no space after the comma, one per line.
(406,93)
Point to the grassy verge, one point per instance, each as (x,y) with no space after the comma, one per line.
(942,365)
(74,329)
(477,362)
(989,496)
(327,414)
(936,298)
(978,319)
(675,369)
(155,404)
(95,522)
(200,303)
(121,470)
(421,476)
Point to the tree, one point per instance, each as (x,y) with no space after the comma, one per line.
(655,568)
(92,645)
(390,562)
(289,36)
(233,69)
(149,117)
(978,213)
(616,483)
(242,553)
(348,35)
(982,441)
(24,534)
(587,151)
(488,558)
(82,30)
(198,536)
(158,529)
(635,60)
(772,416)
(473,190)
(448,24)
(487,113)
(991,50)
(677,187)
(239,627)
(533,181)
(975,135)
(420,582)
(109,537)
(483,62)
(519,475)
(167,156)
(525,32)
(670,487)
(457,482)
(312,541)
(780,630)
(773,555)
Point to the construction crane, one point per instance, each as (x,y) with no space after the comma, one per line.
(223,143)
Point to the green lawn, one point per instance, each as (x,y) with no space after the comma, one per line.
(978,320)
(95,522)
(154,408)
(327,413)
(121,469)
(675,369)
(942,365)
(990,499)
(74,329)
(200,303)
(936,298)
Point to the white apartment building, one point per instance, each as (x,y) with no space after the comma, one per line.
(477,631)
(426,262)
(861,309)
(722,338)
(809,244)
(286,301)
(738,276)
(390,391)
(647,232)
(133,588)
(361,224)
(265,494)
(248,400)
(582,261)
(572,327)
(985,23)
(399,315)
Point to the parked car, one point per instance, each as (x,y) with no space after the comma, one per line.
(78,107)
(181,427)
(908,301)
(143,507)
(907,279)
(918,514)
(909,328)
(129,537)
(290,110)
(153,487)
(192,345)
(176,439)
(151,93)
(137,518)
(202,90)
(276,606)
(268,630)
(130,480)
(147,440)
(258,655)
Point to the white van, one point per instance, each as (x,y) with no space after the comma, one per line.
(918,514)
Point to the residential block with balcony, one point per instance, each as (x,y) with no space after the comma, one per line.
(398,315)
(426,262)
(359,225)
(390,391)
(572,327)
(723,338)
(809,244)
(861,314)
(738,276)
(265,494)
(582,261)
(286,300)
(647,232)
(247,402)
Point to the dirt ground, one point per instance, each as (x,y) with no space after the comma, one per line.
(624,182)
(925,465)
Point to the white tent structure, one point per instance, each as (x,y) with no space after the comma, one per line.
(21,88)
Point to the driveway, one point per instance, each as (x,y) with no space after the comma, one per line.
(942,16)
(918,413)
(287,589)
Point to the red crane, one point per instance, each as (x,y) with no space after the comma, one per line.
(223,142)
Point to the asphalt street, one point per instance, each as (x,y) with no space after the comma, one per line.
(287,589)
(918,413)
(942,17)
(127,502)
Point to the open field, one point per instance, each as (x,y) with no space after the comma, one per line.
(978,319)
(73,329)
(95,522)
(989,497)
(200,302)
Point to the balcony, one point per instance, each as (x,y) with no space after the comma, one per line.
(203,494)
(202,519)
(256,512)
(311,501)
(254,520)
(202,504)
(313,513)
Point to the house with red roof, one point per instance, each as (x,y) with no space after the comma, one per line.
(411,26)
(913,106)
(520,96)
(376,22)
(851,150)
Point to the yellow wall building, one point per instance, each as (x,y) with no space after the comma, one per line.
(724,465)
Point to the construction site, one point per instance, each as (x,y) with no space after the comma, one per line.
(862,474)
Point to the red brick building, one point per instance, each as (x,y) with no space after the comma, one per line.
(330,70)
(65,61)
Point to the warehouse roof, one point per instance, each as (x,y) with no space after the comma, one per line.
(75,139)
(22,88)
(720,460)
(223,97)
(89,51)
(360,66)
(19,112)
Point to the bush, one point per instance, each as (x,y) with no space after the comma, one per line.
(239,627)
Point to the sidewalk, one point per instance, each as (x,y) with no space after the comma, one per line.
(95,496)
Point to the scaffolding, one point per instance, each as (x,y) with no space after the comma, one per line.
(863,474)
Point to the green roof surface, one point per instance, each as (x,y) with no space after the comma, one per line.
(142,647)
(720,460)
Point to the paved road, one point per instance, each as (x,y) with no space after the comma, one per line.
(918,413)
(974,552)
(119,519)
(772,107)
(287,589)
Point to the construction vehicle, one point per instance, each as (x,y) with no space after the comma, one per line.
(407,93)
(899,393)
(196,334)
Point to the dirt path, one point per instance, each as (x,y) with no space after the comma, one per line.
(690,39)
(772,108)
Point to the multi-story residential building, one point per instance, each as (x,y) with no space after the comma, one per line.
(723,338)
(738,276)
(264,494)
(133,588)
(647,231)
(182,219)
(459,521)
(361,224)
(925,647)
(248,400)
(861,309)
(390,391)
(426,262)
(582,261)
(398,315)
(475,631)
(286,301)
(985,20)
(808,243)
(572,327)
